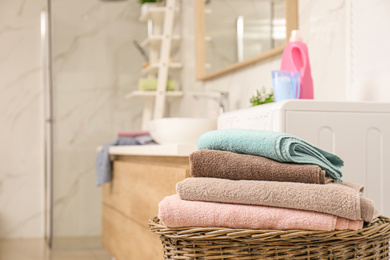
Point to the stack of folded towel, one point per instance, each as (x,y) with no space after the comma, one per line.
(265,180)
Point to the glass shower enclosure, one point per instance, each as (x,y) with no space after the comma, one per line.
(92,63)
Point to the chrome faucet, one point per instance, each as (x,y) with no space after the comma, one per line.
(223,102)
(221,98)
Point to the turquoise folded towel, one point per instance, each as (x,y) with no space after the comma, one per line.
(281,147)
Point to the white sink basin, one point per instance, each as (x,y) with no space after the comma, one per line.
(180,130)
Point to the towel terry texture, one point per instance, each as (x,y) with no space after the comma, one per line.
(174,212)
(229,165)
(343,200)
(281,147)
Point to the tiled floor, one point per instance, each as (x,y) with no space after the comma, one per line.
(36,249)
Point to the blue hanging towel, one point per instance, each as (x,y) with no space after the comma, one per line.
(103,163)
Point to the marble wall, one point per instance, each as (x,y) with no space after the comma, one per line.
(323,27)
(369,64)
(21,120)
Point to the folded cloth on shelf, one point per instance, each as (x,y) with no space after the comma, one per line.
(174,212)
(222,164)
(103,162)
(134,133)
(145,139)
(150,84)
(343,200)
(281,147)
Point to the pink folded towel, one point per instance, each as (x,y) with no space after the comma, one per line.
(340,199)
(134,133)
(174,212)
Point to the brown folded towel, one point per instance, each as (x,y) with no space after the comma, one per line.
(339,199)
(228,165)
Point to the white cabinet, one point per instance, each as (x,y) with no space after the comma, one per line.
(358,132)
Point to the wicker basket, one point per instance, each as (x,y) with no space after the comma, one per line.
(371,242)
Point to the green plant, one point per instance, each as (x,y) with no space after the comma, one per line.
(262,97)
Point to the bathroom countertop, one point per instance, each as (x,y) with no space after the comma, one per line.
(154,150)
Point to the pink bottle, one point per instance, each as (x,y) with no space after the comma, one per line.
(296,59)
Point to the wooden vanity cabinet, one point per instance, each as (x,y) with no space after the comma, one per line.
(131,199)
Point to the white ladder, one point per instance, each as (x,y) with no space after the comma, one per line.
(162,19)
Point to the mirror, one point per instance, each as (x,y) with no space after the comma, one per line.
(232,34)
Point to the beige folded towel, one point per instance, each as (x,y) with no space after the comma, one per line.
(339,199)
(222,164)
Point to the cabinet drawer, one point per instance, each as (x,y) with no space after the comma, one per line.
(138,187)
(131,199)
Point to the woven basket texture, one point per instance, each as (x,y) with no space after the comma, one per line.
(371,242)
